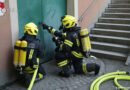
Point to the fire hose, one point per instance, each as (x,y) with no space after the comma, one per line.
(114,75)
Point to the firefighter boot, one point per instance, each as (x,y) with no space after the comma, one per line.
(65,72)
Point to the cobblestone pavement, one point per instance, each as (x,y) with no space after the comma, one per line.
(76,82)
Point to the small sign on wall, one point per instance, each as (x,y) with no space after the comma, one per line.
(2,8)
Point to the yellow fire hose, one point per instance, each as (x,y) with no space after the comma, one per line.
(122,77)
(114,75)
(34,76)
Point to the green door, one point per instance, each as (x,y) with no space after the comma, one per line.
(49,11)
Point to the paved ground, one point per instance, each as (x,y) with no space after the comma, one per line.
(76,82)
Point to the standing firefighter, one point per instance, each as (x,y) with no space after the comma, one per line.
(73,47)
(26,56)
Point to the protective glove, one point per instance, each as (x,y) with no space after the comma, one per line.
(61,27)
(49,28)
(45,26)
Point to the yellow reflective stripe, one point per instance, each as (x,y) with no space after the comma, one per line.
(28,68)
(84,68)
(40,76)
(78,55)
(69,43)
(63,35)
(49,28)
(53,31)
(38,60)
(61,45)
(29,71)
(78,43)
(35,66)
(63,63)
(31,53)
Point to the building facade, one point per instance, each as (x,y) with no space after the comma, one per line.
(20,12)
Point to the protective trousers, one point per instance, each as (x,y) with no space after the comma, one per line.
(28,74)
(65,64)
(80,67)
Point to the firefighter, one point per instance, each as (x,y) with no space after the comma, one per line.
(70,49)
(26,55)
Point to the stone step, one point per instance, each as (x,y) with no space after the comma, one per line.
(110,47)
(113,26)
(117,10)
(110,39)
(110,32)
(114,20)
(108,54)
(120,1)
(119,6)
(116,15)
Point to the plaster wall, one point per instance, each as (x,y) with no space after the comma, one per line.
(92,13)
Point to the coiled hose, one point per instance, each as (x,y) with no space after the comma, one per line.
(114,75)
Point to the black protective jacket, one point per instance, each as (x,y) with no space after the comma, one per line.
(71,41)
(33,50)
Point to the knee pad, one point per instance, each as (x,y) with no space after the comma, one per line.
(97,68)
(93,67)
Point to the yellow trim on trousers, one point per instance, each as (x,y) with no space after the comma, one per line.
(63,63)
(78,55)
(31,53)
(69,43)
(84,68)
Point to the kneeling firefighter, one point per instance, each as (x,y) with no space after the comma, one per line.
(26,55)
(75,44)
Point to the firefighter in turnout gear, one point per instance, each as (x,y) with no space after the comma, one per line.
(73,47)
(26,55)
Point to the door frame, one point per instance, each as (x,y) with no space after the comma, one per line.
(72,8)
(14,20)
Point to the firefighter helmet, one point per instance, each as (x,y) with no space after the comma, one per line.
(68,21)
(31,29)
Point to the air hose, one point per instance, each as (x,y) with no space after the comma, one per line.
(114,75)
(34,77)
